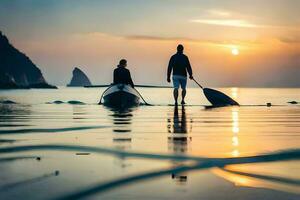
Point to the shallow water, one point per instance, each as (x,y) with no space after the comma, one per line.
(186,133)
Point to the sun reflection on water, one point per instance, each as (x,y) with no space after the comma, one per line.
(234,92)
(235,131)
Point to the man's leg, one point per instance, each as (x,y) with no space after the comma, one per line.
(176,87)
(175,94)
(183,82)
(183,93)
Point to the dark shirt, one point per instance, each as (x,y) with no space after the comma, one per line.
(180,65)
(122,75)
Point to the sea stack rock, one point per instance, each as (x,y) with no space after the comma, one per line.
(79,79)
(17,70)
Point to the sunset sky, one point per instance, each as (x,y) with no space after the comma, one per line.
(230,43)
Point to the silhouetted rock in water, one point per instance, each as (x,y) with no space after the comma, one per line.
(293,102)
(79,79)
(56,102)
(17,70)
(75,102)
(7,102)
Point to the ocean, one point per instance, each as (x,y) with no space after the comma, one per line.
(60,144)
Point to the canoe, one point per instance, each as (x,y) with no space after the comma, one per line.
(121,96)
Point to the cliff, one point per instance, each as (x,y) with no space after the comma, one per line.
(79,79)
(17,70)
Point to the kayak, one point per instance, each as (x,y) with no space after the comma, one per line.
(121,96)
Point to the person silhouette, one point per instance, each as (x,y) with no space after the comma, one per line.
(122,75)
(180,65)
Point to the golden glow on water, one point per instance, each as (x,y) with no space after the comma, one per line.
(235,131)
(234,92)
(235,153)
(235,141)
(248,181)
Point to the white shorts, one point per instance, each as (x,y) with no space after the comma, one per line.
(179,81)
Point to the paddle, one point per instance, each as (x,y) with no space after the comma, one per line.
(147,104)
(145,86)
(217,98)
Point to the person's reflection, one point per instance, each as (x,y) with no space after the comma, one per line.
(178,140)
(121,132)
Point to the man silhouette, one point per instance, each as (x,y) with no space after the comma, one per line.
(180,65)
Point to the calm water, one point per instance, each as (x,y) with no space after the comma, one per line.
(186,132)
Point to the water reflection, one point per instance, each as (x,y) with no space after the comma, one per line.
(259,180)
(178,139)
(14,113)
(234,92)
(177,127)
(235,130)
(28,181)
(79,113)
(12,116)
(122,120)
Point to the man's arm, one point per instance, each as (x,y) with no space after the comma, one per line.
(170,67)
(115,77)
(189,68)
(130,80)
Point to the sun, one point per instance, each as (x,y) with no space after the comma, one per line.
(235,51)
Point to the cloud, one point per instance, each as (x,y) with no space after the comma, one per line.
(220,44)
(226,22)
(290,40)
(149,37)
(178,39)
(139,37)
(91,35)
(220,13)
(241,23)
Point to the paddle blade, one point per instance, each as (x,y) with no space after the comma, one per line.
(217,98)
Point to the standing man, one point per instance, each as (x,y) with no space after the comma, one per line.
(180,65)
